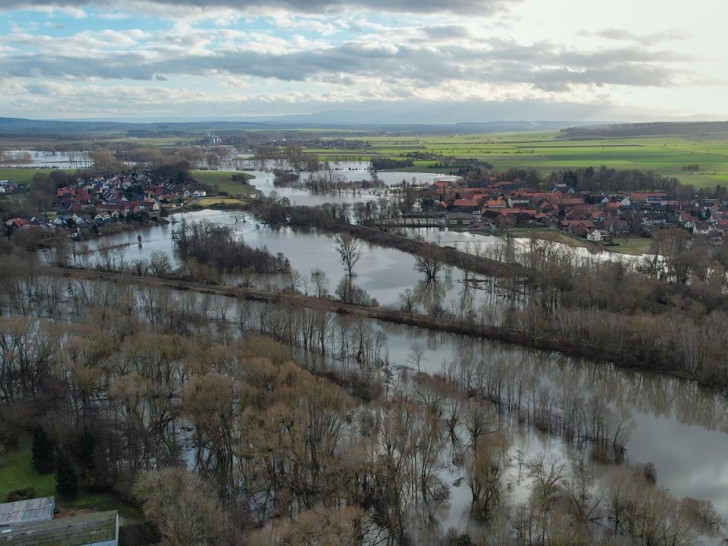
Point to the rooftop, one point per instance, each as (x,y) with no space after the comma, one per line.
(70,531)
(26,511)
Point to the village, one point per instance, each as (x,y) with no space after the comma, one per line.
(91,202)
(594,217)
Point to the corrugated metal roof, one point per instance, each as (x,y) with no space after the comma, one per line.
(70,531)
(27,511)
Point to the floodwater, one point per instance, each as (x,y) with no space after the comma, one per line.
(674,424)
(349,172)
(679,427)
(47,160)
(384,273)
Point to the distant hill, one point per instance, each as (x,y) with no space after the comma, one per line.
(644,129)
(338,120)
(28,127)
(19,126)
(331,120)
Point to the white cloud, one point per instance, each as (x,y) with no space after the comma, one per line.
(297,55)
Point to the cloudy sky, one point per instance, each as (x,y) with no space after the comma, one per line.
(399,60)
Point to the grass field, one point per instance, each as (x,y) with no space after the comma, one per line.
(544,151)
(224,181)
(221,202)
(631,245)
(156,141)
(20,176)
(18,473)
(666,155)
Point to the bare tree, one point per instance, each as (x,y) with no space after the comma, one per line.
(349,250)
(182,506)
(429,262)
(485,471)
(417,355)
(320,283)
(295,280)
(408,300)
(548,475)
(159,263)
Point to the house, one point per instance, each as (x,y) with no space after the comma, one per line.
(498,203)
(617,226)
(17,223)
(594,236)
(702,228)
(33,521)
(466,205)
(580,228)
(459,219)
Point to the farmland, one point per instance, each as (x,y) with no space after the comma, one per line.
(224,182)
(545,152)
(705,151)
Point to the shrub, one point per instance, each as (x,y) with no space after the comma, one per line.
(21,494)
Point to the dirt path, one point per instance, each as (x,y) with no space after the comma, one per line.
(284,298)
(460,327)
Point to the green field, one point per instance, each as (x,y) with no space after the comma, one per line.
(224,181)
(665,155)
(20,176)
(158,142)
(543,151)
(635,246)
(17,473)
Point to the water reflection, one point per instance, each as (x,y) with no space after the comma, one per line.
(383,273)
(677,425)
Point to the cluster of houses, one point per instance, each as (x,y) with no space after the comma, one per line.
(91,202)
(595,217)
(7,187)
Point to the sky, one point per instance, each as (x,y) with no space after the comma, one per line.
(422,61)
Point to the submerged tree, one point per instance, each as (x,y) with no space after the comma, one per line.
(429,262)
(349,250)
(182,506)
(320,283)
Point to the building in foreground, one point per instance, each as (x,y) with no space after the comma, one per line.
(32,521)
